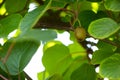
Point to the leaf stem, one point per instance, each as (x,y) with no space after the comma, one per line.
(8,52)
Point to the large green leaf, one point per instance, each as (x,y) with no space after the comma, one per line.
(15,5)
(42,35)
(103,28)
(56,58)
(76,63)
(84,72)
(110,67)
(113,5)
(20,54)
(9,24)
(100,55)
(32,17)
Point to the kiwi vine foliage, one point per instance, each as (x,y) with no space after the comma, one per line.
(99,19)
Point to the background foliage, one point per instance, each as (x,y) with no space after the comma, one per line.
(99,20)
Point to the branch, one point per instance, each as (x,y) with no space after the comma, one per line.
(3,77)
(110,42)
(54,26)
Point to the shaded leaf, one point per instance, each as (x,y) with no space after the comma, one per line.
(112,5)
(75,64)
(110,67)
(84,72)
(15,5)
(20,54)
(100,55)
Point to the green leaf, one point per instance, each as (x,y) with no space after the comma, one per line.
(85,21)
(76,63)
(58,3)
(32,17)
(56,58)
(15,5)
(84,72)
(42,75)
(9,23)
(15,77)
(42,35)
(100,55)
(103,28)
(76,50)
(112,5)
(55,77)
(110,67)
(104,45)
(20,54)
(94,0)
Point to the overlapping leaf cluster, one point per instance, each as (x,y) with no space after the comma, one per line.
(100,19)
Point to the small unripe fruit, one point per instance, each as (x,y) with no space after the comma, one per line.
(80,33)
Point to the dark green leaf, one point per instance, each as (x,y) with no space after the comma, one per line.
(112,5)
(76,63)
(84,72)
(103,28)
(9,24)
(110,67)
(104,45)
(86,17)
(15,5)
(20,54)
(100,55)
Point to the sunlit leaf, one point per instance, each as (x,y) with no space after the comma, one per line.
(56,58)
(103,28)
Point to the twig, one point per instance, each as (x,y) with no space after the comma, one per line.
(110,42)
(27,76)
(3,77)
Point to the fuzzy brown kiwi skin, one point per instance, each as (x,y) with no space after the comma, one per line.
(80,33)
